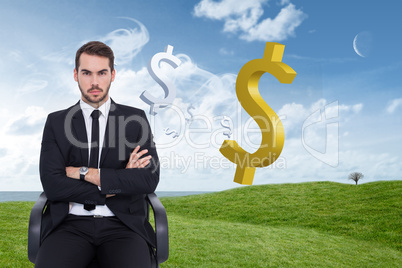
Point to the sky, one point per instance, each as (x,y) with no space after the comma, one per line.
(341,114)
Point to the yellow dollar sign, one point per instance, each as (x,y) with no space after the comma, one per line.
(273,134)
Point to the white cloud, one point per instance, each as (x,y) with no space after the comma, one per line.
(31,122)
(284,2)
(317,127)
(33,83)
(393,105)
(243,17)
(295,114)
(16,55)
(277,29)
(330,147)
(20,140)
(226,8)
(357,108)
(127,43)
(223,51)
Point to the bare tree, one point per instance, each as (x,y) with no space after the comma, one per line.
(356,176)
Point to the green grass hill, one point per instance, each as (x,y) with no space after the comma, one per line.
(319,224)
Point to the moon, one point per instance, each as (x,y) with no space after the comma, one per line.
(362,44)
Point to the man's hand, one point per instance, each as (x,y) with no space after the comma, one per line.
(136,161)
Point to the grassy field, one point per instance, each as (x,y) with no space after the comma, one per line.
(319,224)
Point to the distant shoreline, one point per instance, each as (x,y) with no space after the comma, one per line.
(7,196)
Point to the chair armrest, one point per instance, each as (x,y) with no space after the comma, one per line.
(34,229)
(161,228)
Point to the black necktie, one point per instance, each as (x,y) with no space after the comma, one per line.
(94,156)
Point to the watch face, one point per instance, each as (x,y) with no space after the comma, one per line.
(83,170)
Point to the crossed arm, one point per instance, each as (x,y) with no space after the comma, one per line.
(93,175)
(61,183)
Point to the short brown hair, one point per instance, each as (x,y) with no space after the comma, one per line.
(95,48)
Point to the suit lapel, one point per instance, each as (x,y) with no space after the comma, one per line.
(80,131)
(110,140)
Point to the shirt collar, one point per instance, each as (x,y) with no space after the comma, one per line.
(88,109)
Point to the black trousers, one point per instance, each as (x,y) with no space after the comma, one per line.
(79,240)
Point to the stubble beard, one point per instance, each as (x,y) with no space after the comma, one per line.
(90,99)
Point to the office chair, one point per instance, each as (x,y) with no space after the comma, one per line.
(160,253)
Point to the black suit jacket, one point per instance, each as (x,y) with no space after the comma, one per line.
(65,144)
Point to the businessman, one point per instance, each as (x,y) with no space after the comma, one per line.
(97,162)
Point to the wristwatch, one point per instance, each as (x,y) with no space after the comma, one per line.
(83,172)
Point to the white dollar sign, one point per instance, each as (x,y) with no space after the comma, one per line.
(188,120)
(226,133)
(168,132)
(156,73)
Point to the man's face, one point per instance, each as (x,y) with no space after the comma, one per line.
(94,79)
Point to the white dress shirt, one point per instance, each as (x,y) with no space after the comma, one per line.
(76,208)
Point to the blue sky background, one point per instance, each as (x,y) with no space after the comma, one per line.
(341,114)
